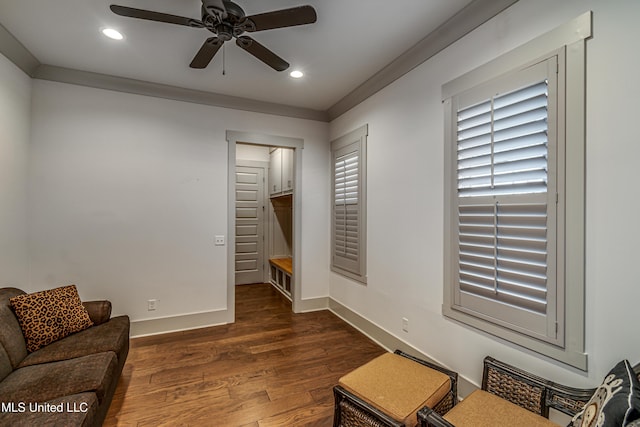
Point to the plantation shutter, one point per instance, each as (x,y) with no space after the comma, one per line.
(506,202)
(348,206)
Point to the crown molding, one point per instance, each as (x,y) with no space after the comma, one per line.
(462,23)
(17,53)
(140,87)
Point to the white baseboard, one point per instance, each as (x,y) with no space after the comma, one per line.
(312,304)
(389,341)
(164,325)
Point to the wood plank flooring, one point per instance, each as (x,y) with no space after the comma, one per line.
(270,368)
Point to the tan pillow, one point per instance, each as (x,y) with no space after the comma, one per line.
(48,316)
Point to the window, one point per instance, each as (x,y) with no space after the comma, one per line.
(348,236)
(514,179)
(506,201)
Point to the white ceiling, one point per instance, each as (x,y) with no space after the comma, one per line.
(350,42)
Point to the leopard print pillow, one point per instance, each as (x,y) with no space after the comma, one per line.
(48,316)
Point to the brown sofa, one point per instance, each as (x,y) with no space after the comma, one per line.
(69,382)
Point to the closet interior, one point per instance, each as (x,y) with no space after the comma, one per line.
(280,218)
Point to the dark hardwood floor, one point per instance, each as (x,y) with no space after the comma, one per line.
(270,368)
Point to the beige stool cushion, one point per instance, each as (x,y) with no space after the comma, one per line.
(483,409)
(397,386)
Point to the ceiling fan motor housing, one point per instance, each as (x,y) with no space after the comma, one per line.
(224,31)
(224,23)
(214,7)
(231,12)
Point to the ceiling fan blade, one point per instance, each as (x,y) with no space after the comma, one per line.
(280,18)
(155,16)
(262,53)
(206,53)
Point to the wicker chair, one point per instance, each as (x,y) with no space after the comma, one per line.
(528,391)
(351,411)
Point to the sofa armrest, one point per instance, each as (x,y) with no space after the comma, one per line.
(99,311)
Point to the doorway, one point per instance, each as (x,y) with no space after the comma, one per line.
(234,238)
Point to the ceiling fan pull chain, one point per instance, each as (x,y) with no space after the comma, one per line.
(224,73)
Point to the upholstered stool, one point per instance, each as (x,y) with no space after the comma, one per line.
(390,389)
(483,409)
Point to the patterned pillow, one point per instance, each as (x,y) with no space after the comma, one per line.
(48,316)
(615,403)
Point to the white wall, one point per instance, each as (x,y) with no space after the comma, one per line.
(15,116)
(405,194)
(128,191)
(257,153)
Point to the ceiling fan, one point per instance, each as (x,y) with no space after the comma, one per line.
(227,20)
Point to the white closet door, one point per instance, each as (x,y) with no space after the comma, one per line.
(275,172)
(287,170)
(249,225)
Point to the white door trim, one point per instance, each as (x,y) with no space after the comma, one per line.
(234,137)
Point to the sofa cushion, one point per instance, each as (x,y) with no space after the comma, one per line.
(50,315)
(78,410)
(10,332)
(110,336)
(616,402)
(40,383)
(483,409)
(5,363)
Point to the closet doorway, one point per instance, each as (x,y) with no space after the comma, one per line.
(264,230)
(264,216)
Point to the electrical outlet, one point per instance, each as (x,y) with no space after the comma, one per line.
(152,304)
(405,324)
(219,240)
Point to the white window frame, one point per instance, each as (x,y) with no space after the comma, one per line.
(354,146)
(568,44)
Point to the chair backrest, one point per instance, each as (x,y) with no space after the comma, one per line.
(532,392)
(515,385)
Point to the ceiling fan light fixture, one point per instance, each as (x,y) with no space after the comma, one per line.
(112,33)
(296,74)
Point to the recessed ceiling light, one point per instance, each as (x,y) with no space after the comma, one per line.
(296,74)
(112,34)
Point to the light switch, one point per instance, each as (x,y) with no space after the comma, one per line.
(219,240)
